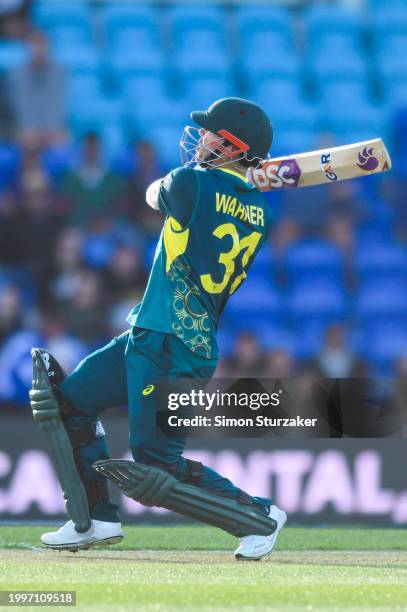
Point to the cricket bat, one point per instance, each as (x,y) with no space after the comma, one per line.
(323,166)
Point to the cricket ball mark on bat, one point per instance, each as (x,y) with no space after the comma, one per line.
(323,166)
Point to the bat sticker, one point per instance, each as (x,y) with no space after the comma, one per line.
(367,161)
(327,169)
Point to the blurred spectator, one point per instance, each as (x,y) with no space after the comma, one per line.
(85,315)
(391,190)
(336,359)
(68,262)
(100,243)
(143,167)
(73,243)
(38,219)
(10,312)
(401,367)
(13,239)
(32,175)
(14,21)
(148,167)
(42,224)
(248,358)
(347,200)
(29,211)
(66,348)
(341,232)
(313,210)
(313,215)
(284,234)
(38,97)
(6,114)
(119,311)
(125,274)
(280,364)
(92,191)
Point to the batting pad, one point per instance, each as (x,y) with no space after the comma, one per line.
(152,486)
(45,411)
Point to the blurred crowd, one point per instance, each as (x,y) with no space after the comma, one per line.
(77,241)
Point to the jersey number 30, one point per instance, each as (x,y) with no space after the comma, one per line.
(247,244)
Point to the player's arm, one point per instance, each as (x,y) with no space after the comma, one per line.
(175,195)
(152,194)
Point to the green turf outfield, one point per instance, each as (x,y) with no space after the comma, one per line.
(192,568)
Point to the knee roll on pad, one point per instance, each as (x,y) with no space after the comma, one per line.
(153,486)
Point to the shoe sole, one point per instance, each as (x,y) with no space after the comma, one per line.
(281,524)
(85,545)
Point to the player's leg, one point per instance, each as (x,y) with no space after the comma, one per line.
(97,383)
(150,356)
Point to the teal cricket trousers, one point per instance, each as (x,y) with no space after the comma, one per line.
(117,374)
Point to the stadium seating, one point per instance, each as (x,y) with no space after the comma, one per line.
(256,18)
(9,164)
(396,95)
(273,94)
(51,16)
(138,87)
(132,40)
(212,45)
(381,300)
(288,139)
(118,18)
(321,20)
(382,261)
(84,87)
(200,92)
(12,55)
(264,266)
(319,299)
(183,17)
(166,139)
(307,336)
(78,59)
(255,304)
(312,260)
(388,18)
(256,67)
(137,70)
(344,95)
(381,346)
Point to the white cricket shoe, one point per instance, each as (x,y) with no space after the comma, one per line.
(255,547)
(100,533)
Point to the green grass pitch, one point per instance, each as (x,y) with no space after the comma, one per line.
(192,568)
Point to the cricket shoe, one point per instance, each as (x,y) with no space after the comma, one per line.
(100,533)
(255,547)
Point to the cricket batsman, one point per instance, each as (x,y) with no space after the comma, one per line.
(216,221)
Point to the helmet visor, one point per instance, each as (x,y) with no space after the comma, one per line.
(207,152)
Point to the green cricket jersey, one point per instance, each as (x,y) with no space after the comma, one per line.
(216,223)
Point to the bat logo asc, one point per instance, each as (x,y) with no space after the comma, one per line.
(326,165)
(278,174)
